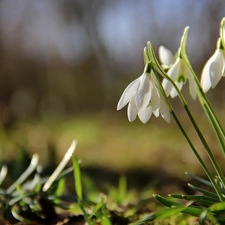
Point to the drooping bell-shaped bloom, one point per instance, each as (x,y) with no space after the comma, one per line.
(179,72)
(144,98)
(166,57)
(213,70)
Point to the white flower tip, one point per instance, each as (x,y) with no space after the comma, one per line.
(167,118)
(132,119)
(121,103)
(166,57)
(145,114)
(118,106)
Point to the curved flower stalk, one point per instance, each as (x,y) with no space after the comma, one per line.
(144,98)
(213,70)
(222,31)
(179,73)
(166,57)
(156,66)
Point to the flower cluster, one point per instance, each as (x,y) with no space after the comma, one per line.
(144,98)
(179,72)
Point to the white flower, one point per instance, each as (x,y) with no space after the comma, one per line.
(213,70)
(144,98)
(179,73)
(166,57)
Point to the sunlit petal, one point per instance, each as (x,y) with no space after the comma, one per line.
(132,110)
(173,73)
(143,95)
(156,112)
(145,114)
(205,77)
(216,68)
(128,93)
(155,98)
(192,83)
(166,57)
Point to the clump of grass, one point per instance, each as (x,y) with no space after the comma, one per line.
(33,198)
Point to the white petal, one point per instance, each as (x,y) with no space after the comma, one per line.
(173,73)
(132,110)
(216,69)
(128,93)
(156,112)
(205,77)
(143,95)
(192,83)
(173,92)
(165,56)
(145,114)
(164,110)
(155,98)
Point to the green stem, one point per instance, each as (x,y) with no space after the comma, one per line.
(217,122)
(207,148)
(156,65)
(215,185)
(209,152)
(220,138)
(201,95)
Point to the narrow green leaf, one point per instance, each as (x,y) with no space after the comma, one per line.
(163,214)
(218,206)
(104,216)
(77,178)
(165,201)
(206,214)
(193,211)
(97,207)
(60,187)
(200,179)
(195,198)
(205,192)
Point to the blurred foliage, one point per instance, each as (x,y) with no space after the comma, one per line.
(65,63)
(67,57)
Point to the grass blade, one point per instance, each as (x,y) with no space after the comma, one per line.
(193,211)
(61,166)
(205,192)
(77,178)
(97,207)
(26,173)
(163,214)
(3,173)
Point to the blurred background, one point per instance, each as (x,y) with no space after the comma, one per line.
(65,63)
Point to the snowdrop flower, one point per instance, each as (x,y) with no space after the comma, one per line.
(179,73)
(166,57)
(213,70)
(144,98)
